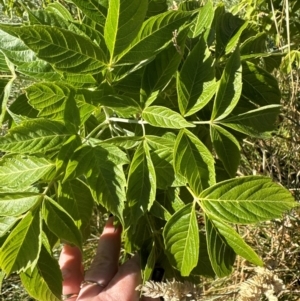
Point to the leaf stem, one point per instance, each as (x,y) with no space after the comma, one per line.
(97,128)
(202,122)
(117,119)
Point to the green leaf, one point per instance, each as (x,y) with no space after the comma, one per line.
(160,212)
(50,99)
(204,267)
(60,10)
(182,239)
(227,148)
(257,123)
(39,70)
(4,97)
(228,27)
(45,281)
(43,17)
(102,166)
(161,151)
(154,35)
(193,161)
(22,171)
(3,63)
(163,117)
(121,104)
(233,42)
(127,142)
(93,9)
(204,19)
(73,53)
(230,88)
(246,200)
(150,264)
(259,85)
(123,22)
(221,255)
(159,72)
(6,223)
(236,242)
(75,197)
(66,151)
(196,80)
(156,7)
(17,203)
(21,249)
(141,183)
(107,182)
(15,49)
(35,136)
(60,222)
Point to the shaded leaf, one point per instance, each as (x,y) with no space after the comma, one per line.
(196,80)
(246,200)
(227,148)
(230,88)
(182,239)
(259,86)
(154,35)
(75,197)
(221,255)
(44,282)
(60,222)
(256,123)
(141,183)
(236,242)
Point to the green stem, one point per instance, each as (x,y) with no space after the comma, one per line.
(116,119)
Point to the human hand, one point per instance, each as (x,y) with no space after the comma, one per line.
(105,280)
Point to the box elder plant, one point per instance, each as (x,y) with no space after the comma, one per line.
(140,110)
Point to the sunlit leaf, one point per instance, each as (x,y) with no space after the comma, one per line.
(21,249)
(163,117)
(246,200)
(182,239)
(123,22)
(193,161)
(22,171)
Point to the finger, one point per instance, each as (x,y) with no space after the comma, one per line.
(124,283)
(70,262)
(106,262)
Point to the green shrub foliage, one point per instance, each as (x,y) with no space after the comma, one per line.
(140,110)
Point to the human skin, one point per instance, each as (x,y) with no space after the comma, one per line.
(118,283)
